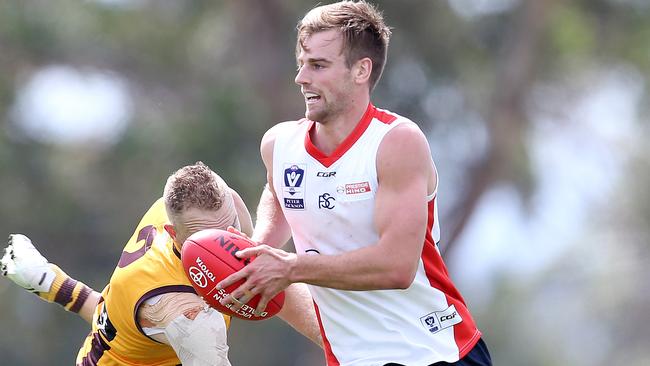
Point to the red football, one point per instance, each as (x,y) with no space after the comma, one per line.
(208,257)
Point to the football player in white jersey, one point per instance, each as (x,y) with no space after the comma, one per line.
(355,186)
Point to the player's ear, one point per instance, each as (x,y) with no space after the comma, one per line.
(170,230)
(362,70)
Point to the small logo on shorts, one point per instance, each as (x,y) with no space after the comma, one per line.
(431,323)
(439,320)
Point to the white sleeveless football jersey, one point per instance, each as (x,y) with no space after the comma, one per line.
(329,203)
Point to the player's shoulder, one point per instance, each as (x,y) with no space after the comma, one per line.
(404,134)
(156,213)
(393,120)
(283,127)
(404,129)
(268,140)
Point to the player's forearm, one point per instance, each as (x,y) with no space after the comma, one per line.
(88,308)
(298,311)
(73,295)
(271,228)
(370,268)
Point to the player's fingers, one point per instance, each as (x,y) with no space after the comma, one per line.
(244,295)
(252,252)
(236,299)
(261,306)
(233,278)
(231,302)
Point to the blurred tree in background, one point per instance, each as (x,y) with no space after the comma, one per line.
(536,111)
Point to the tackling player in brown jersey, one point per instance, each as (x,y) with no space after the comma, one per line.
(149,313)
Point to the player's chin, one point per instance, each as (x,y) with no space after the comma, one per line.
(314,114)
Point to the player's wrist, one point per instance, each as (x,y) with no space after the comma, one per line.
(294,264)
(66,291)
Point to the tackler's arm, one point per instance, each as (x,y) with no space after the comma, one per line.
(23,264)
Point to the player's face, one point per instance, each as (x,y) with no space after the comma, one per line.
(194,219)
(324,78)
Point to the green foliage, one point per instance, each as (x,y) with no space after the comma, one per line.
(206,79)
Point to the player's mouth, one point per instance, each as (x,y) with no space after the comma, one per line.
(311,98)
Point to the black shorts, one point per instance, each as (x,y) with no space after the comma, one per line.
(478,356)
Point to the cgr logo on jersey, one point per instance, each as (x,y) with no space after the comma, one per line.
(439,320)
(293,189)
(326,174)
(326,200)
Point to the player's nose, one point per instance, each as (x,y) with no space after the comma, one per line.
(302,77)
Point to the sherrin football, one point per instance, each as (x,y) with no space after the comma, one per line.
(208,257)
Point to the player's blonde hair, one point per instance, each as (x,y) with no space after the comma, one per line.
(363,29)
(194,186)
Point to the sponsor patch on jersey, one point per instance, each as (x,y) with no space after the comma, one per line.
(356,188)
(293,188)
(359,189)
(439,320)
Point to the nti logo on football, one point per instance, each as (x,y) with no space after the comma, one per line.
(293,189)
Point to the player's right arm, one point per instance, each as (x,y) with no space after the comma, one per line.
(24,265)
(271,226)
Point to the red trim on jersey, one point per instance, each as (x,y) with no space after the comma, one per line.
(327,347)
(384,116)
(465,333)
(359,129)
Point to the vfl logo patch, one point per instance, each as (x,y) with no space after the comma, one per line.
(293,188)
(439,320)
(293,177)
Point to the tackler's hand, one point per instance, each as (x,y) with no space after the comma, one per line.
(234,230)
(23,264)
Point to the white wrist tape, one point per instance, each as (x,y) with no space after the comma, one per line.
(199,342)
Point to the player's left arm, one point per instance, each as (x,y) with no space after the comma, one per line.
(24,265)
(404,171)
(245,220)
(405,175)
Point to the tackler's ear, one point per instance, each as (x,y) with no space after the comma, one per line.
(170,230)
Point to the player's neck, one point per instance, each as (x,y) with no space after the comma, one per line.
(329,135)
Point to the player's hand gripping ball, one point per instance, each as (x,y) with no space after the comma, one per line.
(209,257)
